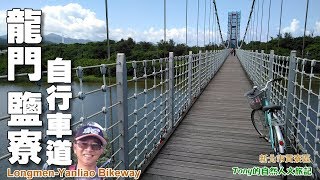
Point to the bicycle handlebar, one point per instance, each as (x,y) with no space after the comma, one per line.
(251,92)
(270,81)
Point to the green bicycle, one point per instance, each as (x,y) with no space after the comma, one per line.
(266,121)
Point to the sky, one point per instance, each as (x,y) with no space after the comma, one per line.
(143,20)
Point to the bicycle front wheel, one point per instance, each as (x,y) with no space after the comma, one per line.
(260,124)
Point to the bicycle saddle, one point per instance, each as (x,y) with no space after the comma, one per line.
(271,108)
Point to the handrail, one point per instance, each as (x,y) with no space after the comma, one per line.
(170,84)
(298,94)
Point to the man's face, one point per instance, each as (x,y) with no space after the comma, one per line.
(87,150)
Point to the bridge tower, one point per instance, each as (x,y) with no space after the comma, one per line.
(233,29)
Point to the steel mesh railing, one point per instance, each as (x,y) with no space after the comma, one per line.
(298,93)
(138,119)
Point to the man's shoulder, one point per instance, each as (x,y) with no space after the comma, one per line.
(72,167)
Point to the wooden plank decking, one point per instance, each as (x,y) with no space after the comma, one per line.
(216,135)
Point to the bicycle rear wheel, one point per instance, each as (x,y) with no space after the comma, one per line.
(259,123)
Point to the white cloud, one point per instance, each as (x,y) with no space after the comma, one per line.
(73,21)
(294,26)
(155,35)
(317,28)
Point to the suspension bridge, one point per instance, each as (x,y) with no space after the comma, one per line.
(185,117)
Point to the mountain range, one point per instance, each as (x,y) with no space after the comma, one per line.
(52,38)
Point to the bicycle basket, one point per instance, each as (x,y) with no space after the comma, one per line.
(255,100)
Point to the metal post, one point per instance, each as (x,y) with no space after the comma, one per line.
(214,63)
(171,90)
(199,71)
(250,65)
(271,59)
(261,66)
(248,60)
(290,93)
(255,68)
(206,67)
(211,64)
(121,75)
(189,76)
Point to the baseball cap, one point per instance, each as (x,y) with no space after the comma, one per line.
(90,129)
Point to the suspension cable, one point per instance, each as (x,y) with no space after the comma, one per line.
(244,36)
(107,26)
(204,24)
(268,25)
(253,23)
(261,23)
(280,25)
(215,7)
(198,28)
(210,25)
(109,81)
(305,28)
(213,25)
(165,23)
(250,33)
(187,24)
(257,22)
(214,28)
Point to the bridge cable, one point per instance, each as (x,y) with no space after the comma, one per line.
(209,25)
(253,25)
(107,26)
(244,36)
(251,30)
(109,75)
(187,25)
(249,36)
(261,23)
(164,22)
(198,28)
(213,25)
(214,28)
(257,22)
(204,24)
(280,25)
(215,7)
(305,28)
(268,25)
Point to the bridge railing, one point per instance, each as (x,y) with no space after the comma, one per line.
(142,102)
(298,94)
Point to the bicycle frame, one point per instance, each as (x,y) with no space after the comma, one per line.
(268,118)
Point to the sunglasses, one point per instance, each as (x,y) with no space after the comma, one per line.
(85,145)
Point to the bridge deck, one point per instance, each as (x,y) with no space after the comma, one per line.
(216,134)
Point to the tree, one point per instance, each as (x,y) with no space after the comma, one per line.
(287,35)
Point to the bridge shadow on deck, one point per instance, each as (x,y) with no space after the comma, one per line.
(216,135)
